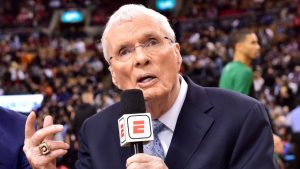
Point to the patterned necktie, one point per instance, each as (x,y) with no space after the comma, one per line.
(154,147)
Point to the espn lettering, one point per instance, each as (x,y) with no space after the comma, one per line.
(122,129)
(135,128)
(138,126)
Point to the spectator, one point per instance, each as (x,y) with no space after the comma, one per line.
(237,75)
(293,120)
(84,110)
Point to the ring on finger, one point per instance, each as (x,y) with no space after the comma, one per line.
(44,148)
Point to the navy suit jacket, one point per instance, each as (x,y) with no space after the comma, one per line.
(12,127)
(216,129)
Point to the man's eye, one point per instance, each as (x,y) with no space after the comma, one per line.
(124,52)
(151,42)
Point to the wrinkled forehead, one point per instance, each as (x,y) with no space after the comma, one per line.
(130,31)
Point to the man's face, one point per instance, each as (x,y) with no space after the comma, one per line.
(155,73)
(250,46)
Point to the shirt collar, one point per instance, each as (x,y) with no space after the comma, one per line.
(169,118)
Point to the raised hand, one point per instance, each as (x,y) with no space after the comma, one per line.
(40,148)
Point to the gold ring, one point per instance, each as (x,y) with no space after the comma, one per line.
(44,148)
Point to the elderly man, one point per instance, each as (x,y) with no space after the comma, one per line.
(202,127)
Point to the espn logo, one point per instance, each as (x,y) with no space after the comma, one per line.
(135,127)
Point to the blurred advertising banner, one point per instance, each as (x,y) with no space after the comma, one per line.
(22,103)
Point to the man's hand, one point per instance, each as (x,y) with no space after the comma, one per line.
(34,138)
(145,161)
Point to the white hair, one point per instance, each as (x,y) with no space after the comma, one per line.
(129,12)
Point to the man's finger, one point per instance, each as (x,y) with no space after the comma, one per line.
(41,134)
(29,126)
(55,145)
(47,159)
(48,121)
(57,153)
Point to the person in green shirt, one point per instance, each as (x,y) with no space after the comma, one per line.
(238,75)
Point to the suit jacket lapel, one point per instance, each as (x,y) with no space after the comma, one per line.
(125,153)
(191,127)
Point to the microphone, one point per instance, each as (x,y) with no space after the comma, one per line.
(135,125)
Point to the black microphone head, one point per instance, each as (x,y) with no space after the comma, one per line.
(132,101)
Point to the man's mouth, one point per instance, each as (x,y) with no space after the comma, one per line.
(146,80)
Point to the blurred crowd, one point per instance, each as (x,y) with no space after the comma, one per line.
(73,76)
(206,47)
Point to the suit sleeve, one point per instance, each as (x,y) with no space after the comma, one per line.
(254,147)
(22,159)
(84,158)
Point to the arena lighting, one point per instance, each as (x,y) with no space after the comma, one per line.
(21,103)
(71,16)
(165,5)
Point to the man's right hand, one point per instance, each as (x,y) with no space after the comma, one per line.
(145,161)
(34,138)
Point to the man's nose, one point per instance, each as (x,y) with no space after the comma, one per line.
(141,57)
(258,48)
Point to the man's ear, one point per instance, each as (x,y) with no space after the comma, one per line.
(238,46)
(178,55)
(113,76)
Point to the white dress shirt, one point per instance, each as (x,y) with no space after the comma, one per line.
(169,119)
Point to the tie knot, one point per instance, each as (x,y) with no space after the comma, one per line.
(157,126)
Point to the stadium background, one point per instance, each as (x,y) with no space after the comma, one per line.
(42,52)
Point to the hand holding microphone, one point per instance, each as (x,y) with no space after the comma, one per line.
(135,129)
(145,161)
